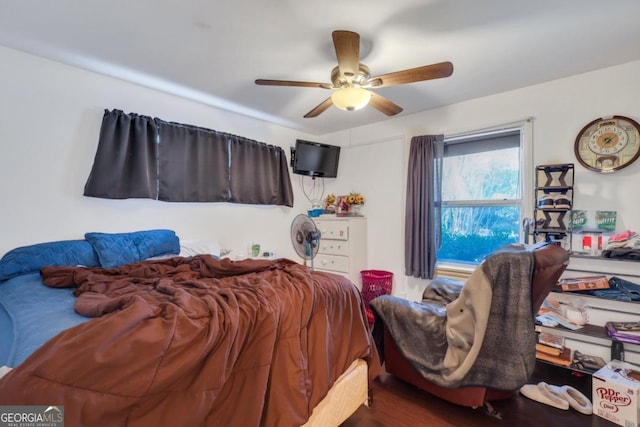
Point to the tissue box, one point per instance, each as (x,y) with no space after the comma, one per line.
(616,389)
(314,213)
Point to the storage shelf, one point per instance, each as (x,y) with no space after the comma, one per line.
(556,168)
(589,333)
(553,209)
(571,367)
(551,223)
(592,301)
(555,189)
(603,258)
(591,231)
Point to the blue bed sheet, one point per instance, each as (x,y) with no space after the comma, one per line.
(31,314)
(6,335)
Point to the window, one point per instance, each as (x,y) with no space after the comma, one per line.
(482,195)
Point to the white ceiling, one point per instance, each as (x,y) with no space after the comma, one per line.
(213,50)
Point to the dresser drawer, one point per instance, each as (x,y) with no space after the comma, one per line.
(331,263)
(334,247)
(338,230)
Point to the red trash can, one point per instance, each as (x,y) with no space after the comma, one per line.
(374,284)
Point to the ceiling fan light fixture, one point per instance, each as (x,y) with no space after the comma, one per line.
(351,79)
(350,98)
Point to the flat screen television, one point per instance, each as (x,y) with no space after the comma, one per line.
(315,159)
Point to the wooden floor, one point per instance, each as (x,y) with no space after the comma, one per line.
(397,404)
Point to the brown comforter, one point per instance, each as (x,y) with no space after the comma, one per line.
(196,341)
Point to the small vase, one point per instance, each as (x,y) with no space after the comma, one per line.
(355,210)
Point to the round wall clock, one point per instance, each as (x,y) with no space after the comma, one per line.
(608,144)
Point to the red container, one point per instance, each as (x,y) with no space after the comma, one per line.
(374,284)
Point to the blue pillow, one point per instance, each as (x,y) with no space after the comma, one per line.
(29,259)
(115,249)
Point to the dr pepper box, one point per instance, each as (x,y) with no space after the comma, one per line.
(616,389)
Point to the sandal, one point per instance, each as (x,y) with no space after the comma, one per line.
(543,393)
(577,400)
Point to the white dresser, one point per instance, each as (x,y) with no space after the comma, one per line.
(343,246)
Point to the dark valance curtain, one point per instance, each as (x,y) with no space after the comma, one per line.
(125,164)
(141,157)
(423,220)
(259,173)
(193,164)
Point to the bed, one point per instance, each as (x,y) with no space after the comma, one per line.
(119,329)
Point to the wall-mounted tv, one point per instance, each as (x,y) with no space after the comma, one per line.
(315,159)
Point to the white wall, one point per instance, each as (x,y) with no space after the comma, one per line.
(50,117)
(560,109)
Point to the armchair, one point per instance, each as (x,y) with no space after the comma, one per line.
(455,343)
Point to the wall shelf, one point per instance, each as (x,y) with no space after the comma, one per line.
(591,333)
(572,368)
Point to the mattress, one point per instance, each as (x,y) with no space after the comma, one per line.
(27,323)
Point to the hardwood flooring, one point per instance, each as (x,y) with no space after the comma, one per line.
(398,404)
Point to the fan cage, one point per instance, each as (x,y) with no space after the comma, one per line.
(301,226)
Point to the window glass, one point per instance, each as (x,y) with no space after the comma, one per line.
(470,233)
(481,195)
(489,175)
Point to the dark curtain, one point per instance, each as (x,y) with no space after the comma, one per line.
(125,164)
(193,164)
(422,218)
(141,157)
(259,173)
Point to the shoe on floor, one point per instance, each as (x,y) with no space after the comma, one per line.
(577,400)
(543,393)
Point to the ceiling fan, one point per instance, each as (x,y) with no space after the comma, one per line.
(351,79)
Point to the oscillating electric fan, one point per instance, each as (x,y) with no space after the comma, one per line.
(305,237)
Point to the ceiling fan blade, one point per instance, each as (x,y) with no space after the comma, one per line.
(383,105)
(319,109)
(266,82)
(418,74)
(347,45)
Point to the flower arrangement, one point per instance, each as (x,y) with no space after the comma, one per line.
(355,198)
(330,201)
(348,205)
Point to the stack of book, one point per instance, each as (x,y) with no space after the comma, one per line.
(583,283)
(554,355)
(550,348)
(624,331)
